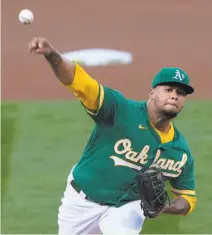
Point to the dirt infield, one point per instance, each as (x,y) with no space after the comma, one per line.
(158,33)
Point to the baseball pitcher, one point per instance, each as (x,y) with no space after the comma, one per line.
(133,149)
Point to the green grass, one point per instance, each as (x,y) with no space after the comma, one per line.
(8,129)
(41,141)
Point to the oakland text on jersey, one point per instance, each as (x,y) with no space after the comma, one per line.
(124,146)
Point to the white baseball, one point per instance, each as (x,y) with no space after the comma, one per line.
(26,16)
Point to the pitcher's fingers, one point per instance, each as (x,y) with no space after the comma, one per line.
(41,42)
(34,42)
(32,49)
(41,51)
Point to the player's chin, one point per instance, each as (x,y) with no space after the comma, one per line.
(170,112)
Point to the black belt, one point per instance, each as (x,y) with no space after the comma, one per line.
(77,188)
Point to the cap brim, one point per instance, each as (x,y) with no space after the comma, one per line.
(188,89)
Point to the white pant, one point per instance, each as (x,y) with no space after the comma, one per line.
(78,215)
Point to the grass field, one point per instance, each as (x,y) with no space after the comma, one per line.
(42,140)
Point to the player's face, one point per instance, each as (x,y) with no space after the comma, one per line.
(168,99)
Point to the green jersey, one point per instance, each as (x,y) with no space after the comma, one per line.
(122,142)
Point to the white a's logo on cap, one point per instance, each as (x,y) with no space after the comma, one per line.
(179,75)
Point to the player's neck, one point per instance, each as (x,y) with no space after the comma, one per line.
(159,121)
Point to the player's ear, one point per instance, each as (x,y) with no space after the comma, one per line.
(151,93)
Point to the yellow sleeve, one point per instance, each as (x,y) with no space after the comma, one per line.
(87,89)
(191,200)
(188,195)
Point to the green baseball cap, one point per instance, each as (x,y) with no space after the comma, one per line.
(173,75)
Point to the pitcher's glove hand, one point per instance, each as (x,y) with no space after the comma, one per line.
(153,193)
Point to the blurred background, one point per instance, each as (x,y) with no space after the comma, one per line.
(44,128)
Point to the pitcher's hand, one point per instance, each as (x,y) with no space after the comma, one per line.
(40,46)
